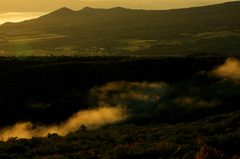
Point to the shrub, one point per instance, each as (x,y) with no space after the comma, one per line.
(207,152)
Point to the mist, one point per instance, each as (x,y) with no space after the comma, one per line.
(127,101)
(166,102)
(93,119)
(229,70)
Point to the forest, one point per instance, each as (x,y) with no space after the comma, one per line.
(120,107)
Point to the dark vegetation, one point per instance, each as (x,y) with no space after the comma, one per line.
(216,137)
(50,89)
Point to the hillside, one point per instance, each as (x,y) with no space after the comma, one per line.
(213,137)
(48,90)
(121,31)
(133,107)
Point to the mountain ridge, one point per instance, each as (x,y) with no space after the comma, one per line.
(65,12)
(212,28)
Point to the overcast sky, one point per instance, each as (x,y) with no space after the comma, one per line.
(50,5)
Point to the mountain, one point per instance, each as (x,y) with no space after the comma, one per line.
(50,5)
(213,28)
(221,14)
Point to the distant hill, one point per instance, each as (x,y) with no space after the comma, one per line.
(213,28)
(224,15)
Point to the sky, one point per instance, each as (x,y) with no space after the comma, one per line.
(28,9)
(49,5)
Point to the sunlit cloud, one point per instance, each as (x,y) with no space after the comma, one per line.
(148,99)
(229,70)
(124,101)
(93,119)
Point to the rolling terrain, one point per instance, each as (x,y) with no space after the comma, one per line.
(213,137)
(121,31)
(132,107)
(121,83)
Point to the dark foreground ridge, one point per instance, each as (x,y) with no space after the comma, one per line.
(212,137)
(178,106)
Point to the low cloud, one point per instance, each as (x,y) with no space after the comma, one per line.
(115,93)
(189,102)
(151,100)
(127,101)
(93,119)
(229,70)
(156,99)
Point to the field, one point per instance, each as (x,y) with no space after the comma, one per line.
(42,43)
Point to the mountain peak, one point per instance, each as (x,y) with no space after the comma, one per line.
(115,9)
(64,9)
(119,8)
(87,9)
(62,12)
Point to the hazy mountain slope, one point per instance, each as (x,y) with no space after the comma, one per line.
(214,137)
(221,15)
(183,28)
